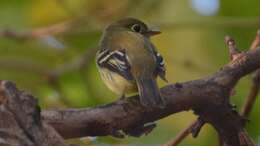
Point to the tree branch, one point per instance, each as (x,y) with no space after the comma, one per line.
(208,97)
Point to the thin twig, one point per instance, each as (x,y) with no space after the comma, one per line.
(254,89)
(251,97)
(37,32)
(233,50)
(181,135)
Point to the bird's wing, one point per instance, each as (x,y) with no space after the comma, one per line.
(160,68)
(115,61)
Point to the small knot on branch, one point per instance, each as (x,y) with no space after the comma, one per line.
(233,51)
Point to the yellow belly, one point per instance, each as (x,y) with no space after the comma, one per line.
(117,83)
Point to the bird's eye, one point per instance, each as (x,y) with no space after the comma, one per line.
(136,28)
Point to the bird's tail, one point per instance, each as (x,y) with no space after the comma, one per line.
(149,93)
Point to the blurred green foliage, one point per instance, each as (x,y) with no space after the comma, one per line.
(191,51)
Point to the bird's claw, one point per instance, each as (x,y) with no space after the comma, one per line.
(140,130)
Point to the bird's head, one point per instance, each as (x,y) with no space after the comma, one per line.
(133,25)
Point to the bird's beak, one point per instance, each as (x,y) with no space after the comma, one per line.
(153,31)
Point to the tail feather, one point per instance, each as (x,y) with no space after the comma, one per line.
(149,93)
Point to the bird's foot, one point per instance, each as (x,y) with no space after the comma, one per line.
(140,130)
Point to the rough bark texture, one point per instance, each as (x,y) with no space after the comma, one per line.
(20,123)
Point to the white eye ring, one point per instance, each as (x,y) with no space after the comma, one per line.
(136,28)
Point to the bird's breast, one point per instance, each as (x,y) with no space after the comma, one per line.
(117,83)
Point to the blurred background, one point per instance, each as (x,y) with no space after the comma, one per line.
(48,47)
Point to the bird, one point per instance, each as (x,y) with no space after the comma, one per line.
(128,62)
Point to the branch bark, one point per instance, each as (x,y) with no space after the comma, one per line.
(20,123)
